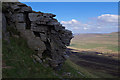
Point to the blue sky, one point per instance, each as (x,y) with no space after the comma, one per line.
(82,17)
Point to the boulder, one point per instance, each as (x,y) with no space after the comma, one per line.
(20,26)
(27,34)
(36,44)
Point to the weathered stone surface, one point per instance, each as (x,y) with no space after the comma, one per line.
(37,28)
(43,19)
(15,7)
(4,24)
(40,22)
(40,54)
(36,44)
(26,9)
(54,23)
(43,33)
(21,4)
(27,34)
(66,36)
(34,16)
(53,32)
(19,17)
(48,15)
(43,36)
(57,28)
(21,26)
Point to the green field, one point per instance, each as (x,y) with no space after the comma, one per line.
(107,43)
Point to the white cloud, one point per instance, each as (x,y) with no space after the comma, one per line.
(102,23)
(85,28)
(108,18)
(74,25)
(73,21)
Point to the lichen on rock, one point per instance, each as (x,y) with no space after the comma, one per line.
(42,31)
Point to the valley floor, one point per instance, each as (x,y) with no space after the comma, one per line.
(98,66)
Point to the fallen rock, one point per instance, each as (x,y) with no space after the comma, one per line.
(37,59)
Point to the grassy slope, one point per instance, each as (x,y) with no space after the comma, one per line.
(17,56)
(18,63)
(80,69)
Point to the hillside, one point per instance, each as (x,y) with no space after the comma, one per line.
(103,43)
(96,65)
(34,44)
(96,53)
(18,63)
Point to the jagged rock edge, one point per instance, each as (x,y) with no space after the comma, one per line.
(43,32)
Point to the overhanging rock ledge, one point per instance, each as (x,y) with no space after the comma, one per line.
(42,31)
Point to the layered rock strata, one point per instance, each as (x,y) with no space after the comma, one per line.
(43,33)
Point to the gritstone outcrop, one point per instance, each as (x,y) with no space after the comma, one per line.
(42,31)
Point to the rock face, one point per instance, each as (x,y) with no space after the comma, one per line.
(43,32)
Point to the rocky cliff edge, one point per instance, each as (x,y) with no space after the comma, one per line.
(43,33)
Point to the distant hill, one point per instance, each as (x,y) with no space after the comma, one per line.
(107,43)
(96,53)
